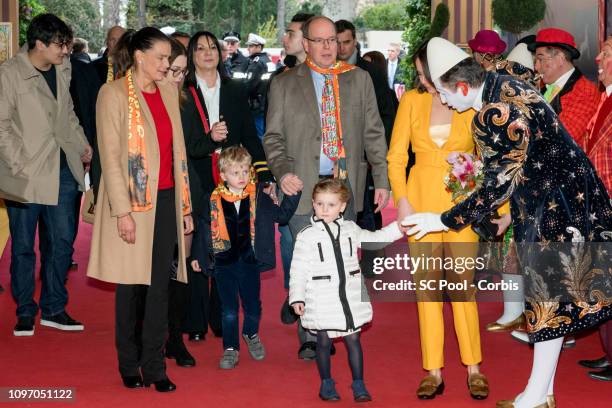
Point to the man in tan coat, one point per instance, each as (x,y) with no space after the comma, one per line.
(296,142)
(42,152)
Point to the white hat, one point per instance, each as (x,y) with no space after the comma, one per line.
(254,39)
(167,30)
(442,55)
(522,55)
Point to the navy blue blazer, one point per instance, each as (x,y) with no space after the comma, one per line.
(267,214)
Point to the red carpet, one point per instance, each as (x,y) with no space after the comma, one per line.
(87,361)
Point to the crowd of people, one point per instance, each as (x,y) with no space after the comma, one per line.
(195,152)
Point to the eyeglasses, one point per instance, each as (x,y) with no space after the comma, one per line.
(62,44)
(321,41)
(177,72)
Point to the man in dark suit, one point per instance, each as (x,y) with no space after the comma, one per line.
(394,71)
(101,64)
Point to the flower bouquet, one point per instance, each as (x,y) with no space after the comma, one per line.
(465,175)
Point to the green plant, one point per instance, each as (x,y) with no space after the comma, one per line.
(516,16)
(267,30)
(28,9)
(417,25)
(386,16)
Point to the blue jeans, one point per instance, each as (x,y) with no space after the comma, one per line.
(60,223)
(239,279)
(259,125)
(286,250)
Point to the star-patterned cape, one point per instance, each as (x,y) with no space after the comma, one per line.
(555,195)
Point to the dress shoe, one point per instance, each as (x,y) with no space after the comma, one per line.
(429,388)
(327,391)
(164,385)
(478,386)
(360,393)
(603,375)
(516,324)
(598,363)
(176,350)
(510,404)
(197,336)
(132,381)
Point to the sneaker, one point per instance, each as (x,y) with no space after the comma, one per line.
(62,321)
(256,348)
(308,351)
(229,359)
(24,326)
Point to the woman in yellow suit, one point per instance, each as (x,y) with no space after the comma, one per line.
(434,131)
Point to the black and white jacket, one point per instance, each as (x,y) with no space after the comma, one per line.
(325,273)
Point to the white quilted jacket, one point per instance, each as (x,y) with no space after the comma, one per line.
(329,286)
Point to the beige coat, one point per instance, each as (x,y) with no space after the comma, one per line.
(111,259)
(33,127)
(293,131)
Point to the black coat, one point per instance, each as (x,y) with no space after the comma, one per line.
(555,196)
(241,131)
(101,67)
(238,62)
(266,215)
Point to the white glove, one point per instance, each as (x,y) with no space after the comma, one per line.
(423,223)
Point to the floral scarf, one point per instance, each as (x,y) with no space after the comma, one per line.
(138,171)
(220,236)
(110,72)
(331,125)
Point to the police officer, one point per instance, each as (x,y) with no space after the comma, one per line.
(237,63)
(257,76)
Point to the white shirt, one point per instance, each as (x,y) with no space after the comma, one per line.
(562,80)
(478,101)
(211,98)
(391,68)
(237,202)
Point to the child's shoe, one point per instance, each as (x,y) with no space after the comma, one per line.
(229,359)
(360,394)
(256,348)
(328,392)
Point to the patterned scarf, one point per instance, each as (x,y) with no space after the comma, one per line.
(331,125)
(110,73)
(138,172)
(220,237)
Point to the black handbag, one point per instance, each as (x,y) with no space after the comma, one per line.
(486,229)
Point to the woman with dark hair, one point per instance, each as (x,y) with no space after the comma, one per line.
(144,206)
(434,131)
(215,115)
(377,59)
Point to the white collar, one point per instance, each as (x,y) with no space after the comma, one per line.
(609,89)
(477,105)
(562,80)
(204,86)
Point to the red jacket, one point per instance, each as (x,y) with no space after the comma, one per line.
(576,104)
(599,142)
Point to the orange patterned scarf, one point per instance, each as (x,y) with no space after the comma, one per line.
(110,73)
(138,170)
(331,125)
(220,237)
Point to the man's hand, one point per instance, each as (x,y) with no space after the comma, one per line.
(503,223)
(126,227)
(218,133)
(381,198)
(291,184)
(298,308)
(87,154)
(195,265)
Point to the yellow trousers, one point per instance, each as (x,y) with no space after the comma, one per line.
(465,313)
(4,226)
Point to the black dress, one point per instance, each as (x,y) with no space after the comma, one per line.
(555,197)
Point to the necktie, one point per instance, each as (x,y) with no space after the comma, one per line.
(328,120)
(551,92)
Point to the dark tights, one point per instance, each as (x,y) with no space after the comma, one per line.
(355,355)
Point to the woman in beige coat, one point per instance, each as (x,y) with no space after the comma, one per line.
(143,206)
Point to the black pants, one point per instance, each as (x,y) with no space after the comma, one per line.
(179,296)
(148,305)
(204,307)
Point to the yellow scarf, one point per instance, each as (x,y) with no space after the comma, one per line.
(110,73)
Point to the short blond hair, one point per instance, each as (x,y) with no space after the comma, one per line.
(234,155)
(332,186)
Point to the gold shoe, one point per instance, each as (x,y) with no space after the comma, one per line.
(429,388)
(478,386)
(510,404)
(550,400)
(516,324)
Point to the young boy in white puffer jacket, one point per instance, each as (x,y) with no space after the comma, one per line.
(325,286)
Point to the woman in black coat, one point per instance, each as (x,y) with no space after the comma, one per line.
(215,115)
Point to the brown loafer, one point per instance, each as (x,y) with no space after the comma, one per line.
(516,324)
(510,404)
(429,388)
(478,386)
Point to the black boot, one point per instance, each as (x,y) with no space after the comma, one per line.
(175,349)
